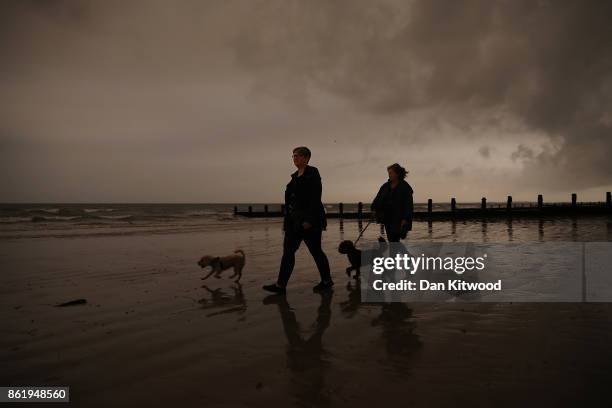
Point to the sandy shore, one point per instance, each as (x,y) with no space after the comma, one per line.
(151,332)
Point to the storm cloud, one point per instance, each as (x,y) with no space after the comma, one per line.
(154,101)
(545,64)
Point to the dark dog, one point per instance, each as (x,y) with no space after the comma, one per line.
(354,255)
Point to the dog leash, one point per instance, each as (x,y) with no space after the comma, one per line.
(362,231)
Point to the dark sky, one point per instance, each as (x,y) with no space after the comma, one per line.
(203,101)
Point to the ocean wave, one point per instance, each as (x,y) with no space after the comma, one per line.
(93,218)
(95,210)
(42,216)
(203,213)
(152,217)
(38,218)
(20,212)
(14,220)
(63,218)
(113,217)
(228,217)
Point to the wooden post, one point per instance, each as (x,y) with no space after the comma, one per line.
(266,209)
(359,209)
(574,197)
(509,203)
(483,203)
(540,201)
(235,209)
(250,209)
(609,199)
(453,204)
(429,206)
(341,209)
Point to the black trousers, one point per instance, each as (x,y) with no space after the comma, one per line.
(393,231)
(291,243)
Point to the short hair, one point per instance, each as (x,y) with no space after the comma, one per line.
(302,151)
(399,170)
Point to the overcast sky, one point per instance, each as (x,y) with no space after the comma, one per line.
(203,101)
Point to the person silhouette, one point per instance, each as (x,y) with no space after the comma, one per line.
(304,221)
(393,205)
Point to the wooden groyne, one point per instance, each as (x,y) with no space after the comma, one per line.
(510,210)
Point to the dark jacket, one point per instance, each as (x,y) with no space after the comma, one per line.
(303,201)
(394,205)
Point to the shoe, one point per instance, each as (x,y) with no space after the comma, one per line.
(274,288)
(322,286)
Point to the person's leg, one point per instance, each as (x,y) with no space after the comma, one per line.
(393,233)
(291,243)
(312,239)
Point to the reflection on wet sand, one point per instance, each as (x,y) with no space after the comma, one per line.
(144,330)
(306,357)
(541,230)
(351,306)
(509,229)
(235,303)
(401,342)
(512,230)
(398,328)
(483,229)
(310,363)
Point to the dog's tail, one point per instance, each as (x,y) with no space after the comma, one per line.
(240,251)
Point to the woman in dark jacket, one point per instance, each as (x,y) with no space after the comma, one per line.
(393,204)
(303,201)
(304,221)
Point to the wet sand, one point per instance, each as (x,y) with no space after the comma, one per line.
(153,333)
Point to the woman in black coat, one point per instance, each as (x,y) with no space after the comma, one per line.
(393,204)
(304,221)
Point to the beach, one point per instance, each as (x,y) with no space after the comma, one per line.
(142,140)
(153,333)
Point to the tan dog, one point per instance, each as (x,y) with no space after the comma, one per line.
(220,263)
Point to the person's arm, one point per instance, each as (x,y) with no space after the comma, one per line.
(286,212)
(377,206)
(315,191)
(375,202)
(409,206)
(407,211)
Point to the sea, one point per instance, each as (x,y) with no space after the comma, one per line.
(92,219)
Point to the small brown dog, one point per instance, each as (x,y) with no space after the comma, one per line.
(220,263)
